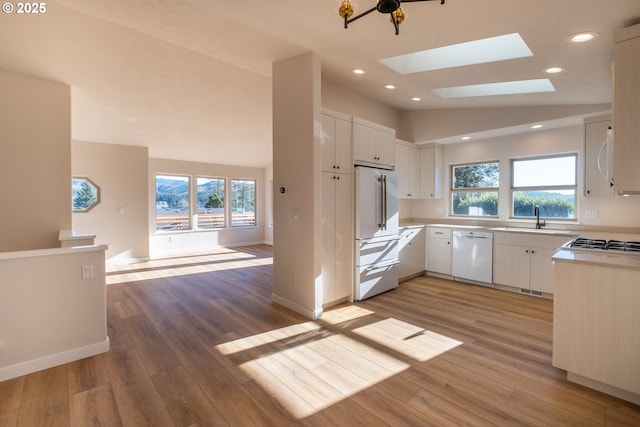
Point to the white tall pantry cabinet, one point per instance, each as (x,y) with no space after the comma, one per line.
(337,184)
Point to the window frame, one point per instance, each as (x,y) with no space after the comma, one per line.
(453,191)
(543,188)
(189,221)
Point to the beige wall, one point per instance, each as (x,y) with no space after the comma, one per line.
(296,166)
(166,243)
(432,125)
(35,162)
(344,100)
(612,211)
(121,218)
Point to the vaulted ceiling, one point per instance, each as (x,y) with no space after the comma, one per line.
(191,79)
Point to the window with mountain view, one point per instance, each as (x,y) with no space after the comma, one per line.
(243,202)
(474,189)
(210,195)
(172,203)
(548,182)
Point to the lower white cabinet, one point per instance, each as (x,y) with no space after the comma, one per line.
(523,260)
(412,248)
(439,250)
(595,326)
(337,238)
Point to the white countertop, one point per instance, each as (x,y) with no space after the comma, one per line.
(607,258)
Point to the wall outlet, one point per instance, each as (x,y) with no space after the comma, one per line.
(87,272)
(591,214)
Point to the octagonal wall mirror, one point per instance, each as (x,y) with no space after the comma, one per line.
(85,194)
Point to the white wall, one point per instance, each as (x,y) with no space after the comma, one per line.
(166,243)
(35,162)
(121,218)
(49,314)
(296,166)
(612,211)
(432,125)
(344,100)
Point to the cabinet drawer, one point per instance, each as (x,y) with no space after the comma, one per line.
(375,251)
(439,233)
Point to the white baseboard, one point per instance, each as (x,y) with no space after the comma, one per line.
(30,366)
(310,314)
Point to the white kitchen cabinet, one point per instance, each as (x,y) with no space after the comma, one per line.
(431,172)
(595,134)
(408,168)
(336,143)
(439,250)
(412,246)
(373,144)
(523,260)
(337,238)
(626,110)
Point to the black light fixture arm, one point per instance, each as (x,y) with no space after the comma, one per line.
(349,21)
(383,7)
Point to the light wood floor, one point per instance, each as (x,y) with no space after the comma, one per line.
(195,341)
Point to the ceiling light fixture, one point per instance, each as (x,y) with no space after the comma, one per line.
(392,7)
(416,99)
(537,126)
(390,87)
(358,71)
(583,37)
(554,70)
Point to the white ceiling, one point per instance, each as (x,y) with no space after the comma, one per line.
(191,79)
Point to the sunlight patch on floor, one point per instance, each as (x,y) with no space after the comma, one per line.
(410,340)
(161,269)
(244,344)
(344,314)
(307,367)
(306,379)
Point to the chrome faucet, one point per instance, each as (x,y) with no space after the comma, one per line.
(536,212)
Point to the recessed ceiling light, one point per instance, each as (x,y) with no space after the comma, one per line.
(554,70)
(465,138)
(583,37)
(358,71)
(416,99)
(537,126)
(390,87)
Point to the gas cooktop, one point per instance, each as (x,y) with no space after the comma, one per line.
(609,245)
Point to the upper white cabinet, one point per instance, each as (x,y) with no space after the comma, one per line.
(373,144)
(431,172)
(596,165)
(408,168)
(336,143)
(626,110)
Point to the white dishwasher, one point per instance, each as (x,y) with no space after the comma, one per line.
(472,256)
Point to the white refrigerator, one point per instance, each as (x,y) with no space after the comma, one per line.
(376,231)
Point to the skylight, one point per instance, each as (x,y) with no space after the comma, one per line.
(492,49)
(494,89)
